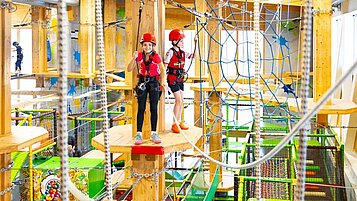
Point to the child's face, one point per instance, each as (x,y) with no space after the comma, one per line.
(148,47)
(180,44)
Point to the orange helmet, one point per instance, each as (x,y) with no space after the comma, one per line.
(176,35)
(148,37)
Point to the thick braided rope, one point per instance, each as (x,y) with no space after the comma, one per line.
(301,166)
(62,93)
(257,98)
(103,96)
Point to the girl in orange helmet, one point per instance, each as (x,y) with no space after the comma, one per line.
(175,62)
(151,69)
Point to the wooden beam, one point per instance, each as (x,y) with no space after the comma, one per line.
(39,39)
(5,97)
(322,52)
(161,10)
(109,34)
(130,77)
(87,36)
(200,66)
(152,13)
(214,29)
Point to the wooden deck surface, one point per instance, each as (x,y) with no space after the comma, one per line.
(121,140)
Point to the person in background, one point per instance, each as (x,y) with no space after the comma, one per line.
(175,63)
(19,56)
(150,73)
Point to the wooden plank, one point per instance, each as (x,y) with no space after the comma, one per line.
(39,39)
(5,98)
(109,34)
(322,52)
(214,29)
(87,36)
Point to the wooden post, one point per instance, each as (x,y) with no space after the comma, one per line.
(148,189)
(87,36)
(39,37)
(160,49)
(199,68)
(5,97)
(151,21)
(322,53)
(214,29)
(110,33)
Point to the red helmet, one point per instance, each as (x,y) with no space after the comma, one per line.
(148,37)
(176,35)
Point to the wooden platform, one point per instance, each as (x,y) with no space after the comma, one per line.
(121,140)
(338,106)
(22,137)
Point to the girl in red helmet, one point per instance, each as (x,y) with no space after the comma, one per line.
(175,62)
(151,69)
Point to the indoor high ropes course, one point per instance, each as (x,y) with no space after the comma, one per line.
(258,101)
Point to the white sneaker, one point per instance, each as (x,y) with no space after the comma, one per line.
(138,139)
(155,137)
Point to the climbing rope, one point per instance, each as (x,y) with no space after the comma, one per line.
(305,63)
(103,97)
(62,93)
(258,183)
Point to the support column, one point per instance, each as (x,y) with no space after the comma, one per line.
(39,39)
(142,162)
(87,36)
(200,67)
(149,23)
(214,29)
(322,52)
(5,97)
(109,34)
(149,188)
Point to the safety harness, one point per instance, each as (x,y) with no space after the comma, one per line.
(175,70)
(145,79)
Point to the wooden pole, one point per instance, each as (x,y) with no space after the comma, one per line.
(109,34)
(200,67)
(5,97)
(87,36)
(151,21)
(39,39)
(322,52)
(214,29)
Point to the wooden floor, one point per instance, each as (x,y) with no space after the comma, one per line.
(121,141)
